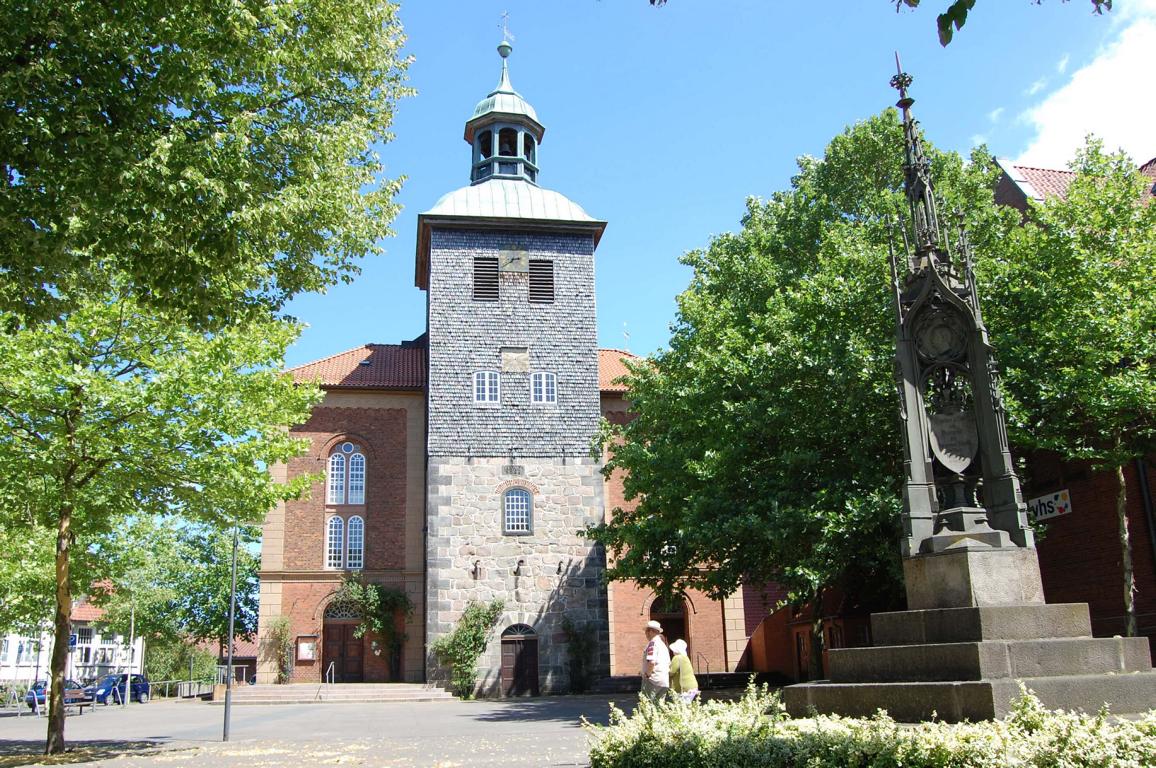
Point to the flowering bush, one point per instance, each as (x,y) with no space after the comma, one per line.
(755,732)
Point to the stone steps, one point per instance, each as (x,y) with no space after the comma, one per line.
(338,693)
(989,659)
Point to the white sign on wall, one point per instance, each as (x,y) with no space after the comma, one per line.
(1052,505)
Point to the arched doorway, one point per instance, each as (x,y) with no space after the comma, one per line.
(671,614)
(340,647)
(519,661)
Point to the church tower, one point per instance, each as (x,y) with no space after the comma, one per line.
(513,405)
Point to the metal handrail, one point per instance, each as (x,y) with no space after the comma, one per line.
(330,675)
(700,659)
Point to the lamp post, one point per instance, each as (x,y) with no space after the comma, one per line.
(232,616)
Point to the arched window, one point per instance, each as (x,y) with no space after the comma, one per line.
(486,143)
(517,512)
(486,387)
(356,479)
(355,544)
(543,387)
(346,482)
(528,148)
(334,542)
(336,486)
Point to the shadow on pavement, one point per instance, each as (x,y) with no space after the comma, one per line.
(564,709)
(17,752)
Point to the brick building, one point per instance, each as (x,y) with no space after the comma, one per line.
(457,466)
(1080,558)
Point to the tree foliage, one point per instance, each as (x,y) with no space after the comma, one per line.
(215,153)
(766,445)
(1072,303)
(380,607)
(171,578)
(460,649)
(113,410)
(955,15)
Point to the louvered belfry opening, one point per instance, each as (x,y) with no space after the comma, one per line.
(541,281)
(485,278)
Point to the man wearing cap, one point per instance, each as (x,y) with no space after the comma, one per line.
(655,663)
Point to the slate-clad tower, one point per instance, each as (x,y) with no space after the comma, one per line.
(513,403)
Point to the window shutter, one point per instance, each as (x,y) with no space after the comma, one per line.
(541,281)
(485,278)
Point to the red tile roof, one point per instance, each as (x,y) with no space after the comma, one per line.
(373,366)
(403,366)
(86,611)
(242,648)
(1046,181)
(1049,182)
(611,368)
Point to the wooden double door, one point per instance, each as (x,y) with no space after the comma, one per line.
(519,665)
(344,651)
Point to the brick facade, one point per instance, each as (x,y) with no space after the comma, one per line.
(390,429)
(1080,555)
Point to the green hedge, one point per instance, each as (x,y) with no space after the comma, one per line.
(755,732)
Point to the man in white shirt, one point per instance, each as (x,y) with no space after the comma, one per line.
(655,663)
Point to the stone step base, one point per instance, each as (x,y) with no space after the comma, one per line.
(1132,693)
(992,659)
(961,625)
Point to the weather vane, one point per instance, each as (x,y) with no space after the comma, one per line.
(505,27)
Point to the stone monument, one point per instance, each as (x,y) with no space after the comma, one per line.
(976,622)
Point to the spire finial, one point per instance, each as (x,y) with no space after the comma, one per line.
(916,172)
(900,82)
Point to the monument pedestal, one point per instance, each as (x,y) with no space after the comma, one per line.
(977,628)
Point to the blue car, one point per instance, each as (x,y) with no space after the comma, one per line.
(73,692)
(110,689)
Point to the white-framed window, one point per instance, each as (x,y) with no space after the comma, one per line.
(356,479)
(486,387)
(4,651)
(336,492)
(346,481)
(355,544)
(334,543)
(517,512)
(543,388)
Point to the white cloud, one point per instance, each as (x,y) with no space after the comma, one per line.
(1062,64)
(995,114)
(978,139)
(1036,87)
(1109,96)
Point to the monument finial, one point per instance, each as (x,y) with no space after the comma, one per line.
(917,174)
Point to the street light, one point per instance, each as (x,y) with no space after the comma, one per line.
(232,612)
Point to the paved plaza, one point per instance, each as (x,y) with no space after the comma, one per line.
(538,732)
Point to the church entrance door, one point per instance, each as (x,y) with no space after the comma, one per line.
(344,651)
(519,661)
(671,614)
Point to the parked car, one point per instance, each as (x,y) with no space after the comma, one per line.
(73,692)
(110,689)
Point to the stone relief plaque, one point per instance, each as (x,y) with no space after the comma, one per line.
(954,439)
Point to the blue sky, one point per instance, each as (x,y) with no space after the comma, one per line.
(662,121)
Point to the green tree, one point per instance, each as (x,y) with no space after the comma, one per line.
(170,579)
(112,411)
(766,445)
(216,153)
(955,15)
(1073,314)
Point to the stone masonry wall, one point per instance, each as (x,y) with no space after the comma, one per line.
(467,336)
(561,572)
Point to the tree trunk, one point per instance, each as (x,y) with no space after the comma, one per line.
(815,667)
(61,630)
(1126,554)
